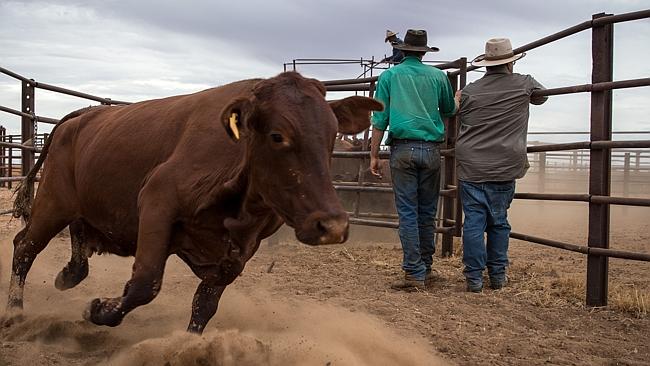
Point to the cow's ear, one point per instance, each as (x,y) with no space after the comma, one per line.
(237,116)
(353,113)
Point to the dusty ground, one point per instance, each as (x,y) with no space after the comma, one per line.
(331,305)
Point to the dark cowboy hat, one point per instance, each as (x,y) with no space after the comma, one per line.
(416,40)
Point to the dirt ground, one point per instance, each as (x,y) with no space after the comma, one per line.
(331,305)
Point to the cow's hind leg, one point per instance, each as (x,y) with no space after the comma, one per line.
(77,268)
(28,243)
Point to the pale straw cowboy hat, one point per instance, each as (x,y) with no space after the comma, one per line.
(498,51)
(389,33)
(415,40)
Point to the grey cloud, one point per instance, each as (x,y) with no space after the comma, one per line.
(143,49)
(281,30)
(278,31)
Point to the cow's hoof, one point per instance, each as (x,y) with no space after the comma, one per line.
(195,328)
(70,276)
(104,312)
(11,318)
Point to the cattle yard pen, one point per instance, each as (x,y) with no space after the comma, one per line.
(599,147)
(594,155)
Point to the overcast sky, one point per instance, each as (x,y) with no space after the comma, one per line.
(137,50)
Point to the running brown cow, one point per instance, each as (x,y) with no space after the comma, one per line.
(205,176)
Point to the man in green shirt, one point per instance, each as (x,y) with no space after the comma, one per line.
(416,97)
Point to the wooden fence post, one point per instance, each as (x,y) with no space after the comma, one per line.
(459,202)
(602,51)
(27,127)
(3,151)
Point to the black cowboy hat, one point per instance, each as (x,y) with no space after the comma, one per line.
(415,40)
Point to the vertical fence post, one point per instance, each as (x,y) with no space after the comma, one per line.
(626,175)
(3,165)
(541,175)
(602,52)
(27,126)
(637,161)
(574,161)
(11,162)
(449,179)
(459,203)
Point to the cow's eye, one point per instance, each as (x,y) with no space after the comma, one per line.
(277,138)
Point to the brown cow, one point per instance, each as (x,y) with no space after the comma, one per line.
(205,176)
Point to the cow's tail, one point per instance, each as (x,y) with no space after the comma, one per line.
(25,190)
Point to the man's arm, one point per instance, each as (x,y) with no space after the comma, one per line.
(377,136)
(379,124)
(447,101)
(537,100)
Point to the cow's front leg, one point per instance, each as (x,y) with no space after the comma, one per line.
(140,290)
(204,305)
(154,232)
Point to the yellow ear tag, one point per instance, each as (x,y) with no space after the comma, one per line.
(233,125)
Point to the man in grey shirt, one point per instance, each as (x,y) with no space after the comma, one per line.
(490,155)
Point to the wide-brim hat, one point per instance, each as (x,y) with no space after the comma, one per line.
(389,33)
(415,40)
(498,51)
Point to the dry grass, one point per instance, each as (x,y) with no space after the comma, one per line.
(547,284)
(543,286)
(629,298)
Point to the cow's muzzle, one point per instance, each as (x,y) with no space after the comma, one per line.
(323,228)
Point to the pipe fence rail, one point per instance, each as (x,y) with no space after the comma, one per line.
(449,224)
(11,160)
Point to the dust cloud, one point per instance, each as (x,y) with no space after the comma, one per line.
(252,326)
(261,331)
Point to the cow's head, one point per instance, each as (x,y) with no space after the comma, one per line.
(289,129)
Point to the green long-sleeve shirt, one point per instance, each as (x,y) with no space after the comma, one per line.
(416,97)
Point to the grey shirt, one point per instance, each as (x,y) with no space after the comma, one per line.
(493,117)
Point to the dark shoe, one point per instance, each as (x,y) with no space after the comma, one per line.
(408,283)
(497,283)
(430,277)
(474,287)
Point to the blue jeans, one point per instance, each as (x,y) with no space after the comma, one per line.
(485,206)
(415,171)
